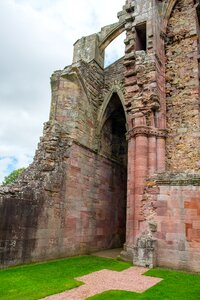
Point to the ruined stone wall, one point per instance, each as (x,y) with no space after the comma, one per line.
(28,207)
(152,219)
(182,89)
(171,207)
(83,212)
(93,77)
(72,107)
(113,82)
(114,76)
(71,199)
(95,201)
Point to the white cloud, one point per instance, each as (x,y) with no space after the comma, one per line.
(36,38)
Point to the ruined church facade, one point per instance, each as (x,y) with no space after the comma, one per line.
(118,164)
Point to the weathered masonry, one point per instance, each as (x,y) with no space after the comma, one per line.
(119,160)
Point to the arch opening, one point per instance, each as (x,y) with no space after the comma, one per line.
(113,145)
(115,50)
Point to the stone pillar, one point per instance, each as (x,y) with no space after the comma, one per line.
(152,163)
(146,156)
(161,154)
(129,64)
(130,192)
(137,171)
(141,169)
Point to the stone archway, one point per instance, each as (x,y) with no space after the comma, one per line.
(113,145)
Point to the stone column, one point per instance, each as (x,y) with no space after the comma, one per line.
(129,74)
(161,153)
(137,171)
(152,163)
(130,192)
(141,170)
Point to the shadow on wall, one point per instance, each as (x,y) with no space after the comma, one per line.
(18,227)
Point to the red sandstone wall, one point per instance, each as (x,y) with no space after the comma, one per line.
(84,212)
(91,214)
(70,200)
(174,209)
(182,89)
(73,200)
(178,215)
(95,201)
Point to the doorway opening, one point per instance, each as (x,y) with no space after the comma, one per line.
(113,146)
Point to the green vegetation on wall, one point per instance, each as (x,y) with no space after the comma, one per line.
(12,177)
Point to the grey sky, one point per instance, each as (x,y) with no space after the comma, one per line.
(36,38)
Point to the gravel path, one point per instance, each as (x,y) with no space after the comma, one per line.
(98,282)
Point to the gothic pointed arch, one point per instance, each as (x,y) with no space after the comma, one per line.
(169,8)
(112,129)
(115,90)
(112,34)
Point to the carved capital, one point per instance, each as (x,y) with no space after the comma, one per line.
(146,131)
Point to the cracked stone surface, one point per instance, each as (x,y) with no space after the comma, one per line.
(131,280)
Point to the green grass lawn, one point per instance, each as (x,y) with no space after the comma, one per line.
(35,281)
(175,286)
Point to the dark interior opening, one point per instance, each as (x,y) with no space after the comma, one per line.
(141,37)
(114,147)
(113,139)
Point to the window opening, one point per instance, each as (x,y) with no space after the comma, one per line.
(141,37)
(115,50)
